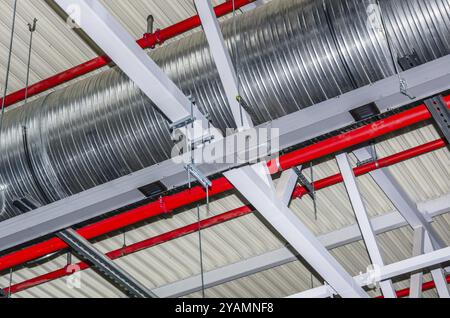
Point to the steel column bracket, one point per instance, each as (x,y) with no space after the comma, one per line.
(441,114)
(182,123)
(196,136)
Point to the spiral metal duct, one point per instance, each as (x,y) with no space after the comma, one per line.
(290,54)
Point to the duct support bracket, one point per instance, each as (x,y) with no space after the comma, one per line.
(198,138)
(182,123)
(198,175)
(439,110)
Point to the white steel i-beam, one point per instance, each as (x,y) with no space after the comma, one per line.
(416,280)
(363,220)
(425,80)
(223,61)
(252,185)
(399,198)
(413,264)
(286,184)
(118,44)
(438,274)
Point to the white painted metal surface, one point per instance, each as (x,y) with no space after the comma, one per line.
(249,183)
(384,179)
(363,220)
(417,278)
(253,5)
(282,256)
(390,271)
(438,274)
(118,44)
(223,62)
(294,128)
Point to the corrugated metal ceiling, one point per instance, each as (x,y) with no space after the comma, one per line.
(56,48)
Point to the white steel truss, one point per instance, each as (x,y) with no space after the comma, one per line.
(223,62)
(120,46)
(362,218)
(387,272)
(399,198)
(347,235)
(416,280)
(425,80)
(255,184)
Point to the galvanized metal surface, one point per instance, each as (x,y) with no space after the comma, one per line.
(422,178)
(289,54)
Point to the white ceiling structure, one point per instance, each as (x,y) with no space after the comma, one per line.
(57,47)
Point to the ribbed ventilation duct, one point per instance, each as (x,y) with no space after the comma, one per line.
(291,54)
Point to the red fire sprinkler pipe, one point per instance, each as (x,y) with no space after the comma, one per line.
(352,138)
(121,252)
(148,41)
(426,286)
(372,166)
(225,217)
(221,185)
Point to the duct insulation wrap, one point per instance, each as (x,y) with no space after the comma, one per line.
(289,54)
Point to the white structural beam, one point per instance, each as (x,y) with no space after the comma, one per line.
(416,280)
(119,45)
(426,238)
(438,274)
(389,271)
(425,80)
(441,283)
(251,185)
(433,208)
(399,198)
(223,61)
(362,218)
(286,185)
(347,235)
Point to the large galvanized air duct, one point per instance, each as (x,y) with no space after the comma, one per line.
(290,55)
